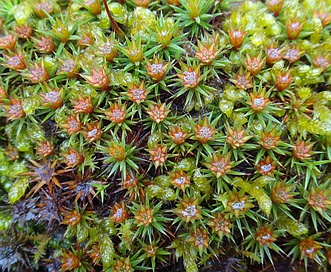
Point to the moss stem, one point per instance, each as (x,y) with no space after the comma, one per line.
(113,23)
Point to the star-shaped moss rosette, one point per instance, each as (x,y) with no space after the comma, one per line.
(98,79)
(119,116)
(189,81)
(190,77)
(148,220)
(219,165)
(188,210)
(158,154)
(204,131)
(221,224)
(237,203)
(119,157)
(266,238)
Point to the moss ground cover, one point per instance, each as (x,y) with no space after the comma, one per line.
(165,135)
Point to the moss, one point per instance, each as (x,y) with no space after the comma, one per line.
(147,135)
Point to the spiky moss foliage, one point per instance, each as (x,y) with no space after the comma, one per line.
(197,132)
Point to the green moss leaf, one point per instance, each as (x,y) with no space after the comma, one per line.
(231,93)
(161,192)
(5,183)
(239,182)
(119,12)
(154,139)
(30,104)
(103,20)
(304,92)
(50,64)
(262,198)
(226,107)
(17,190)
(257,192)
(293,227)
(60,115)
(71,232)
(126,236)
(202,183)
(5,221)
(4,168)
(305,125)
(189,105)
(162,181)
(36,132)
(142,19)
(188,252)
(82,233)
(185,165)
(322,112)
(120,78)
(108,227)
(41,248)
(107,251)
(262,181)
(239,118)
(15,169)
(153,191)
(22,12)
(23,142)
(167,194)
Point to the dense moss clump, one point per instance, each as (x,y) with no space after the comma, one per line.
(182,135)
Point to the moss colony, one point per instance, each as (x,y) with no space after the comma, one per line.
(178,135)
